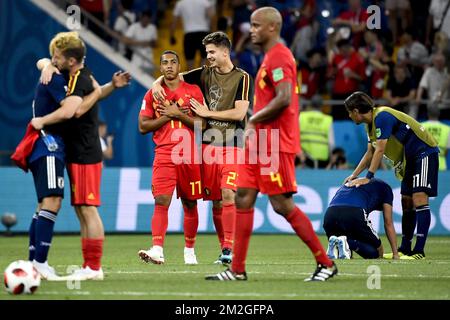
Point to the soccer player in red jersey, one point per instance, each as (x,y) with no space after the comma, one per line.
(275,113)
(228,94)
(173,166)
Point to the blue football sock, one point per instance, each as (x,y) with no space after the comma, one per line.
(408,226)
(365,250)
(32,237)
(423,224)
(44,234)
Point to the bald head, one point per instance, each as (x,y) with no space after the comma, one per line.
(265,27)
(269,15)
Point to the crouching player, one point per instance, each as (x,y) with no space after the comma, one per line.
(174,166)
(347,223)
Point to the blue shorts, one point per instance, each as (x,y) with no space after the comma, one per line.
(352,222)
(48,175)
(421,175)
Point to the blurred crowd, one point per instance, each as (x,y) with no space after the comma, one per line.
(403,61)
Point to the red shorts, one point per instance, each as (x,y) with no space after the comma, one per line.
(272,178)
(85,183)
(219,170)
(185,177)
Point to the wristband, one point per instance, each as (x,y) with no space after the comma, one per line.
(370,175)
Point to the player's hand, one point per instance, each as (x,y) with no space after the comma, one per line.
(121,79)
(350,178)
(37,123)
(357,182)
(47,73)
(200,109)
(158,92)
(169,109)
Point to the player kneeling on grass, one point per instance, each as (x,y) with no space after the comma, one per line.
(347,223)
(172,123)
(414,154)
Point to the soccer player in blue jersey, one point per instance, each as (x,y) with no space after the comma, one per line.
(83,150)
(347,223)
(413,153)
(51,106)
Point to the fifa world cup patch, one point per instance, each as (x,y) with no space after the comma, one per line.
(277,74)
(378,133)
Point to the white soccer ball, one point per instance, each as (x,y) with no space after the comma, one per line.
(21,277)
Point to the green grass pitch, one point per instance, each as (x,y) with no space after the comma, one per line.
(276,266)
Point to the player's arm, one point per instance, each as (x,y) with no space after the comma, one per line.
(281,100)
(67,110)
(147,124)
(191,77)
(234,114)
(237,113)
(389,229)
(89,100)
(377,155)
(363,164)
(47,70)
(119,79)
(172,111)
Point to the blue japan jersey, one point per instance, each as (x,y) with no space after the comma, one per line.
(369,197)
(389,125)
(47,99)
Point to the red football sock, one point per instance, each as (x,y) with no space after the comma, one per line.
(217,218)
(94,253)
(160,222)
(243,232)
(228,222)
(304,229)
(84,250)
(190,226)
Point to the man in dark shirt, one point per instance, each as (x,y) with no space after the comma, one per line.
(47,162)
(400,89)
(347,223)
(83,150)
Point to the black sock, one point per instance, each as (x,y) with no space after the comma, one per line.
(408,226)
(32,237)
(423,224)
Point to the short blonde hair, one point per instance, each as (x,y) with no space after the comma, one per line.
(70,45)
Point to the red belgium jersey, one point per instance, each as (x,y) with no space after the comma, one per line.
(277,67)
(163,137)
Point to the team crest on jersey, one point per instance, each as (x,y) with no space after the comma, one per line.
(277,74)
(378,133)
(60,182)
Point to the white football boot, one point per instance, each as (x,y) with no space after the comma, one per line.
(189,256)
(154,255)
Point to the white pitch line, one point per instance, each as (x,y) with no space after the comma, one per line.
(354,275)
(227,294)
